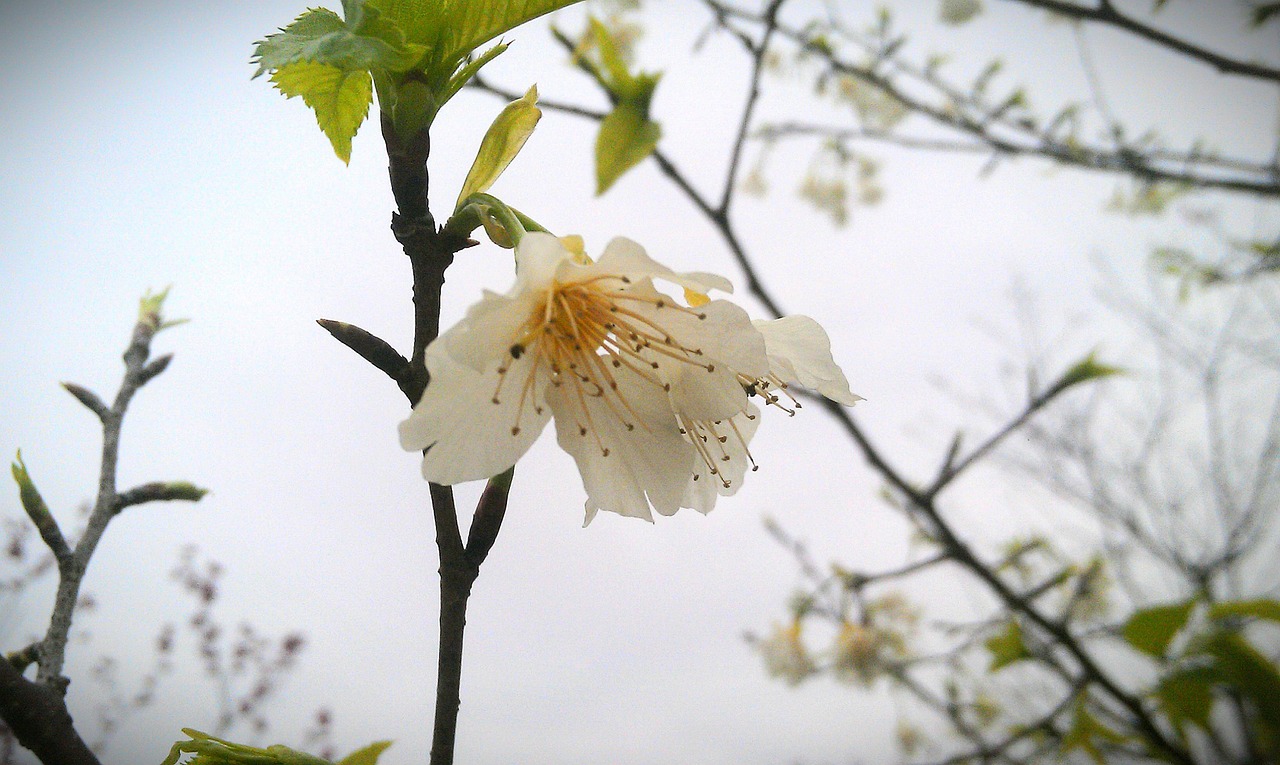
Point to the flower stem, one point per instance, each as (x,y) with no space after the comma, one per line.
(430,251)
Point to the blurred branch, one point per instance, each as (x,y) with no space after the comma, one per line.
(998,128)
(1106,14)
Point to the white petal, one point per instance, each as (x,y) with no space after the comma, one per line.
(538,255)
(702,490)
(701,395)
(647,464)
(720,330)
(625,257)
(484,338)
(800,352)
(466,435)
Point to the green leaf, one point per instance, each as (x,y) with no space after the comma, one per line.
(1007,647)
(615,76)
(1253,677)
(453,29)
(1087,732)
(473,23)
(1152,629)
(1262,608)
(1186,696)
(365,756)
(364,41)
(626,137)
(501,143)
(340,98)
(32,502)
(1082,371)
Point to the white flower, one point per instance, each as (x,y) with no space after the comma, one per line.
(649,395)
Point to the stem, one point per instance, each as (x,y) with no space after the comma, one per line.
(430,251)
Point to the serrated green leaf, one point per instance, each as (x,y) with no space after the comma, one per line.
(1262,608)
(364,41)
(501,143)
(367,755)
(626,137)
(339,98)
(1007,647)
(1082,371)
(1186,696)
(473,23)
(1152,629)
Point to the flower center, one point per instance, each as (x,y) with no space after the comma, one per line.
(582,336)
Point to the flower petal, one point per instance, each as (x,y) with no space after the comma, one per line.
(538,256)
(484,338)
(646,464)
(702,489)
(627,258)
(467,436)
(800,352)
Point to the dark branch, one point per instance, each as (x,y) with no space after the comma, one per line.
(1106,14)
(372,349)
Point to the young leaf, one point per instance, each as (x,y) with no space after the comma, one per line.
(1152,629)
(1007,647)
(1262,608)
(626,137)
(365,756)
(364,41)
(1082,371)
(1087,732)
(472,23)
(1186,696)
(503,141)
(340,98)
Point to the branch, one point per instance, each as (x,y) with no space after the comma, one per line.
(372,349)
(964,114)
(1106,14)
(39,719)
(160,491)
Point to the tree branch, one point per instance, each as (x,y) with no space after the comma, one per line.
(1106,14)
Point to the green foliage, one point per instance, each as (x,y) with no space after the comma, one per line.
(339,97)
(363,42)
(627,135)
(1262,608)
(1007,647)
(366,756)
(1088,734)
(415,51)
(1083,371)
(32,502)
(1152,629)
(503,141)
(210,750)
(1186,696)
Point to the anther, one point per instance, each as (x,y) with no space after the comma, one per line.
(582,431)
(517,350)
(495,400)
(666,387)
(711,367)
(515,431)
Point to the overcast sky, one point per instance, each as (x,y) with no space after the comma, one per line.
(136,153)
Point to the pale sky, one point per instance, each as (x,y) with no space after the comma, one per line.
(137,154)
